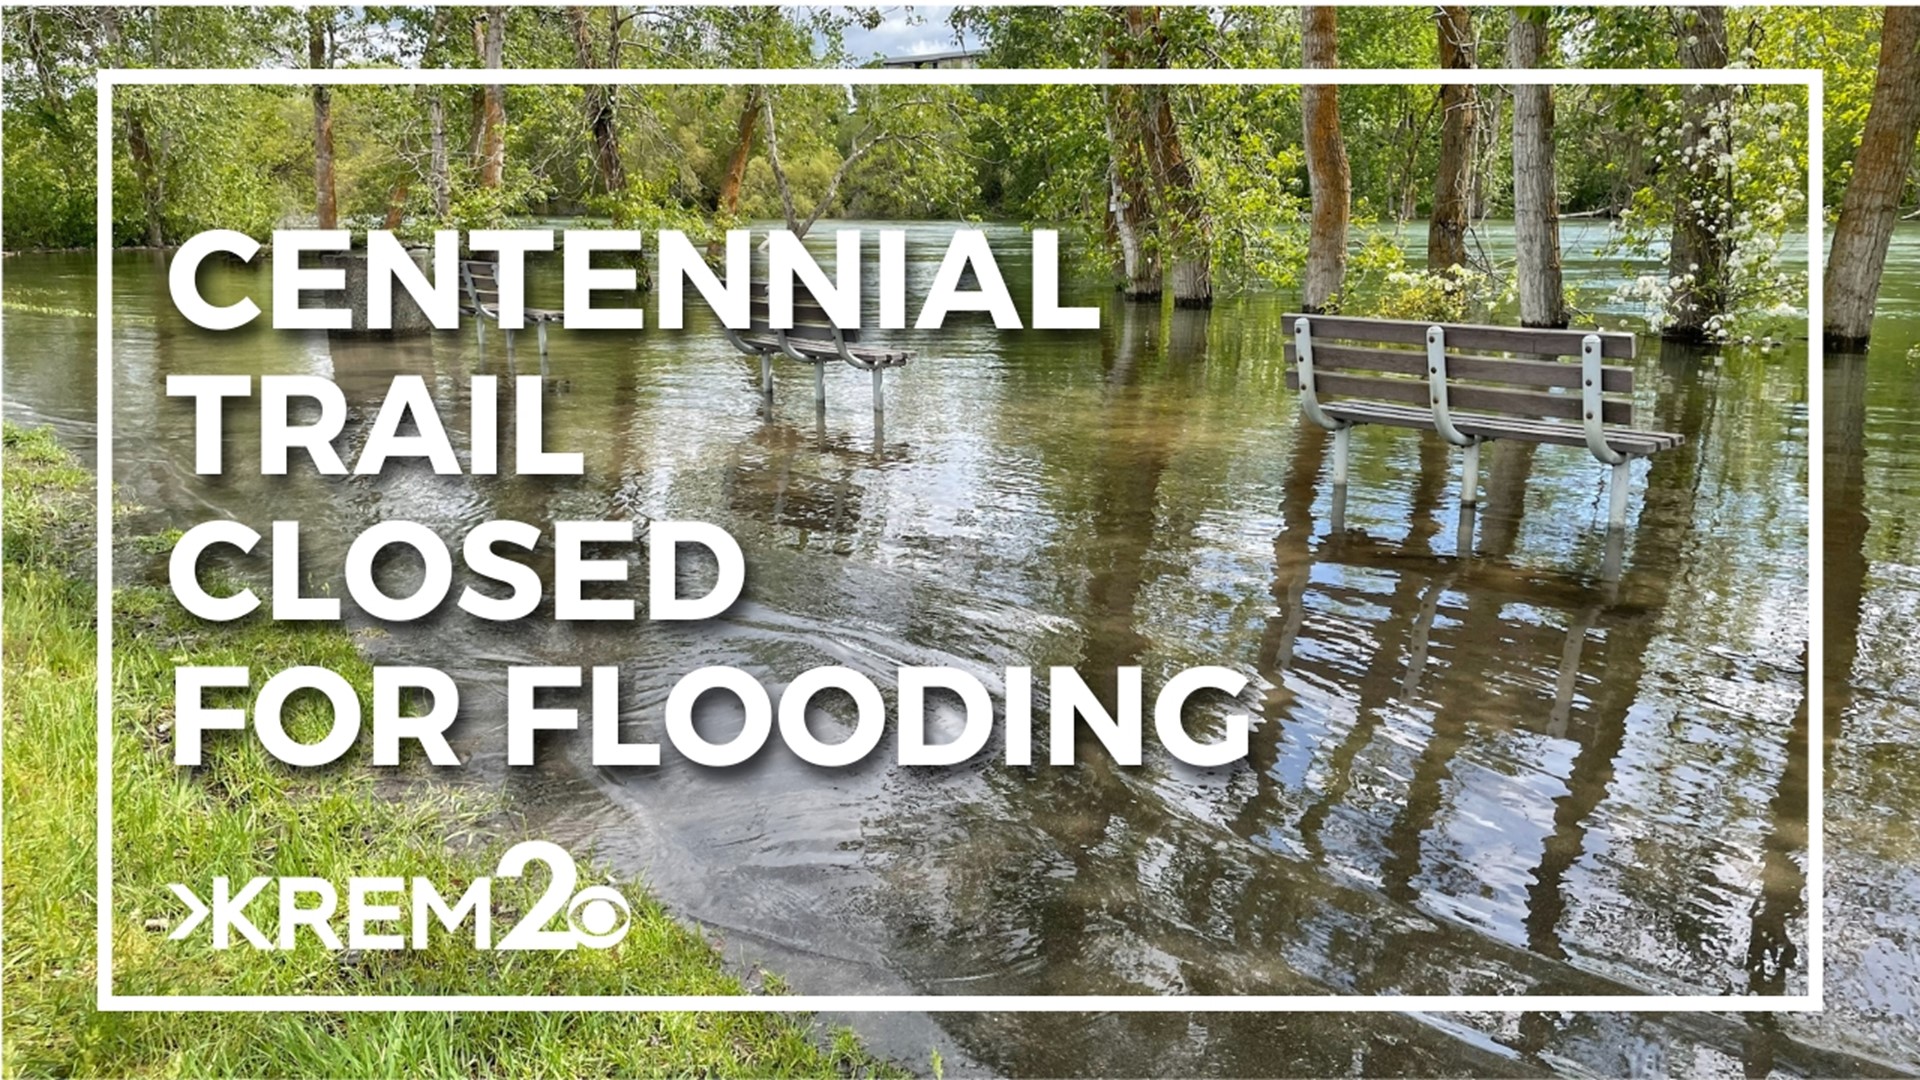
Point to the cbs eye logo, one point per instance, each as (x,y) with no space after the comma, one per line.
(599,916)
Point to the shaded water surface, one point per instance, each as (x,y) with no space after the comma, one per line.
(1490,755)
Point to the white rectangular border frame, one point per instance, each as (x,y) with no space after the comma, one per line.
(108,1001)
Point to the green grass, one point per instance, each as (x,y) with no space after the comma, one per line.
(241,815)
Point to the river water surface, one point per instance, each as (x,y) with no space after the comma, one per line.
(1509,760)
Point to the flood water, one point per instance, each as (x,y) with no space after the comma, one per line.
(1518,762)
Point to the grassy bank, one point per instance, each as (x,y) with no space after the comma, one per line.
(243,815)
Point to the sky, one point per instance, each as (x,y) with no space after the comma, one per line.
(908,29)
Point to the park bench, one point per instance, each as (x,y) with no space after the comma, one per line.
(813,339)
(480,280)
(1352,371)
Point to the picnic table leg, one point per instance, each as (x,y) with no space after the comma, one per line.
(540,328)
(1470,475)
(766,374)
(480,330)
(879,395)
(1617,494)
(820,384)
(1340,439)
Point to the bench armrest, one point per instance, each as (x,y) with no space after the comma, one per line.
(740,343)
(1437,388)
(1591,411)
(1309,400)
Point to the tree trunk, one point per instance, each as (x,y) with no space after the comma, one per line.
(599,108)
(780,183)
(1129,172)
(396,206)
(728,201)
(795,223)
(152,186)
(442,187)
(477,99)
(1872,200)
(1460,108)
(1536,199)
(1129,198)
(493,142)
(139,148)
(1187,227)
(325,208)
(1329,179)
(1190,238)
(1703,210)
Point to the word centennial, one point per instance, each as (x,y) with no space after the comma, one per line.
(968,279)
(500,559)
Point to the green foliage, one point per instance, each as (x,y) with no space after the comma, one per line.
(242,157)
(1844,43)
(1381,284)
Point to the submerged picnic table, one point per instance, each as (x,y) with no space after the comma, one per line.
(812,339)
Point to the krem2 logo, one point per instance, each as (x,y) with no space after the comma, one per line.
(378,909)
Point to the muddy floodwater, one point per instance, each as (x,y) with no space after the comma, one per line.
(1514,760)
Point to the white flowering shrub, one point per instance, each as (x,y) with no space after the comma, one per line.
(1737,173)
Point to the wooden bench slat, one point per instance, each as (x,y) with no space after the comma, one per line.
(1493,427)
(816,330)
(824,347)
(1496,338)
(762,313)
(1487,398)
(1544,373)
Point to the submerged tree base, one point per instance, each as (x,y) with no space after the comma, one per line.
(1844,343)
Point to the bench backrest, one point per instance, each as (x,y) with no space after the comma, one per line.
(481,282)
(810,320)
(1386,360)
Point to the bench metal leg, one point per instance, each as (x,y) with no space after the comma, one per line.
(766,374)
(1470,475)
(1340,439)
(540,330)
(1422,636)
(1613,556)
(820,385)
(509,336)
(1569,679)
(1617,494)
(480,330)
(879,392)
